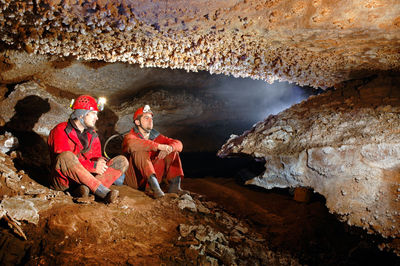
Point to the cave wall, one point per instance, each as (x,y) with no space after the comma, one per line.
(187,106)
(344,144)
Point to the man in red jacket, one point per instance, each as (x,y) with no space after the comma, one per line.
(152,156)
(75,151)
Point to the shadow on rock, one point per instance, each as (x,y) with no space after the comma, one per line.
(33,150)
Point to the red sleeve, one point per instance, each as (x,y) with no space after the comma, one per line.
(132,144)
(174,143)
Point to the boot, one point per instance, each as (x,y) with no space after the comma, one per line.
(175,186)
(107,195)
(111,196)
(153,182)
(80,191)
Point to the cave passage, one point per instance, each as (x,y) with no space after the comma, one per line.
(203,118)
(301,177)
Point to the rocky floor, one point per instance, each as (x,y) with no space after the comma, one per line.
(219,223)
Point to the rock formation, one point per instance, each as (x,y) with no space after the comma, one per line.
(344,144)
(188,101)
(310,42)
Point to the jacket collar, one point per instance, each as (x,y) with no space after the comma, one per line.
(153,133)
(71,129)
(71,133)
(72,125)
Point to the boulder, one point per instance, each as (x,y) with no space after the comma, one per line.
(344,144)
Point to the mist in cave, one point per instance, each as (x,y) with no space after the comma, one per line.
(240,104)
(254,100)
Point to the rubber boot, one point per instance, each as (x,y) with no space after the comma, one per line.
(111,196)
(108,196)
(80,191)
(153,182)
(175,186)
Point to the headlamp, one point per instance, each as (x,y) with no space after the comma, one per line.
(101,102)
(72,103)
(146,109)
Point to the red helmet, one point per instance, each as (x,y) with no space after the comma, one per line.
(85,102)
(142,110)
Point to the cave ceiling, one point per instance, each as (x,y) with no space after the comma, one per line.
(317,43)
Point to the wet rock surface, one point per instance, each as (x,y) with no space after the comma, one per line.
(346,152)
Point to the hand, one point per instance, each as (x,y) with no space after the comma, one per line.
(166,148)
(162,154)
(101,166)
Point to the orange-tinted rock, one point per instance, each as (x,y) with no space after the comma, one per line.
(237,38)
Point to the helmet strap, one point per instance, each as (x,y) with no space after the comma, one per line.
(145,130)
(82,122)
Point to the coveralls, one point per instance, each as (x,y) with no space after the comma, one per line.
(72,163)
(143,161)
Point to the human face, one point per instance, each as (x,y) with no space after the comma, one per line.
(90,119)
(146,121)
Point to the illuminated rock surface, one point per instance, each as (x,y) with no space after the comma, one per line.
(311,42)
(343,144)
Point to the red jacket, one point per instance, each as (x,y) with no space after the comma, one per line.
(134,141)
(63,137)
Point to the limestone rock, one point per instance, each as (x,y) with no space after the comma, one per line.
(186,202)
(308,42)
(8,142)
(29,107)
(7,169)
(344,144)
(201,208)
(185,229)
(21,209)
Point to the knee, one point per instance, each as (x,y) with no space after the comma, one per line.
(173,154)
(67,156)
(120,163)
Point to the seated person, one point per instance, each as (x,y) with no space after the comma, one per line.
(76,159)
(152,156)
